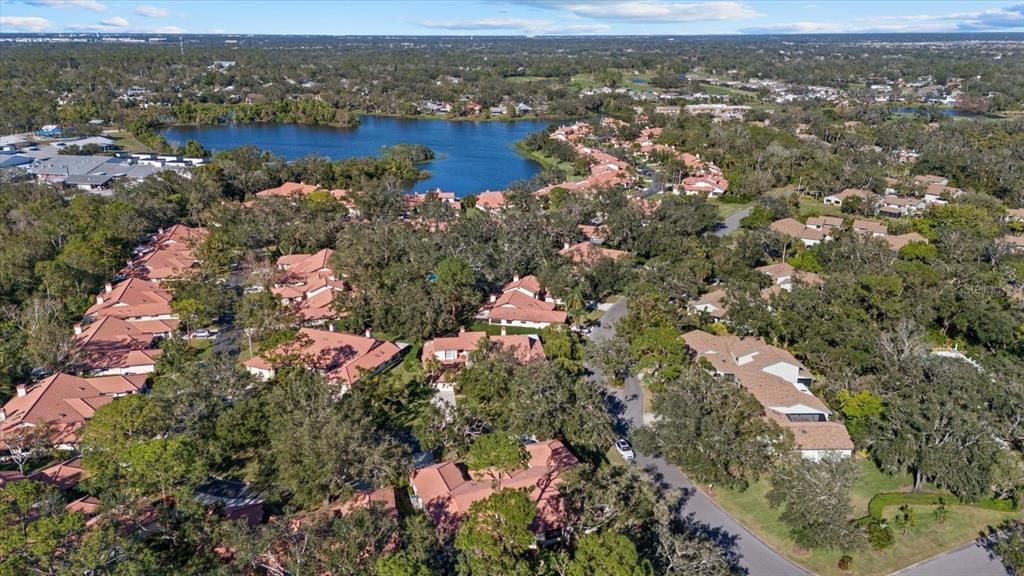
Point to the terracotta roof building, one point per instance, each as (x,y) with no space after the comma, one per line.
(65,402)
(490,201)
(342,358)
(64,475)
(115,346)
(839,198)
(781,384)
(167,255)
(712,303)
(134,300)
(520,304)
(806,234)
(308,282)
(446,491)
(589,253)
(455,350)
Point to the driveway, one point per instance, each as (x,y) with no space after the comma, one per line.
(971,559)
(227,337)
(754,556)
(732,222)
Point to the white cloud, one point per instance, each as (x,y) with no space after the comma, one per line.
(151,12)
(526,26)
(92,5)
(166,30)
(24,23)
(650,11)
(116,22)
(1008,18)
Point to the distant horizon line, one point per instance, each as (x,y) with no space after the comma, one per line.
(530,36)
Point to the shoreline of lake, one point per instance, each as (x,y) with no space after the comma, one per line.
(472,155)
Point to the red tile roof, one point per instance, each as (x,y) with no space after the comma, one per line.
(65,475)
(111,343)
(66,401)
(341,357)
(514,305)
(447,490)
(133,298)
(525,347)
(588,253)
(771,375)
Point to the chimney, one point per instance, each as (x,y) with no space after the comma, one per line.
(494,298)
(330,327)
(515,278)
(462,329)
(368,333)
(565,246)
(78,327)
(504,331)
(99,298)
(109,287)
(22,390)
(159,231)
(3,415)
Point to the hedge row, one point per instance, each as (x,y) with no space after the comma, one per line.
(881,501)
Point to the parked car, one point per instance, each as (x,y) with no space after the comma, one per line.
(201,333)
(256,289)
(625,449)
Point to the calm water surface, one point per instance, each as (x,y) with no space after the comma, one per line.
(471,156)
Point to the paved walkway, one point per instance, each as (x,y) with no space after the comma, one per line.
(753,555)
(732,222)
(756,557)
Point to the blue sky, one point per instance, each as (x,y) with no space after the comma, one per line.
(507,17)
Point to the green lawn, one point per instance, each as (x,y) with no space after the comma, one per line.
(726,209)
(129,142)
(496,330)
(583,81)
(925,540)
(814,207)
(549,162)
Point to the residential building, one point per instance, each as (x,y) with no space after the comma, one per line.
(712,186)
(168,254)
(452,351)
(65,402)
(489,201)
(825,223)
(115,346)
(781,384)
(446,491)
(63,475)
(342,358)
(897,206)
(233,499)
(712,304)
(806,234)
(589,253)
(870,227)
(136,300)
(308,282)
(783,276)
(838,198)
(522,304)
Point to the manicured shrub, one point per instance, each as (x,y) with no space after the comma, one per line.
(880,535)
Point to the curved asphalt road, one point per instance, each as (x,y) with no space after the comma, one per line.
(753,555)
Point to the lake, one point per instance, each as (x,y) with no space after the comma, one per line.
(471,156)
